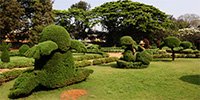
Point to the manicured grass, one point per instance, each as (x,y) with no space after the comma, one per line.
(162,80)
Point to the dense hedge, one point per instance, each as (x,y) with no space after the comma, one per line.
(135,65)
(112,49)
(87,57)
(104,60)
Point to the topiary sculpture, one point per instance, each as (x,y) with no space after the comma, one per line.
(54,65)
(131,58)
(171,42)
(5,55)
(23,49)
(186,44)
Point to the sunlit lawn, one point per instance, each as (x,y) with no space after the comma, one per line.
(162,80)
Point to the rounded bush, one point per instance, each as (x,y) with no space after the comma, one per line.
(172,42)
(186,44)
(57,34)
(23,49)
(127,40)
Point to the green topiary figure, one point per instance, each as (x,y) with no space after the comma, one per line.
(5,55)
(186,44)
(131,58)
(54,65)
(23,49)
(171,42)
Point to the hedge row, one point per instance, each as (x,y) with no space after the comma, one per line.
(88,57)
(177,55)
(112,49)
(127,65)
(99,61)
(10,75)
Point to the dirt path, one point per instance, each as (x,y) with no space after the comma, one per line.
(72,94)
(6,70)
(115,55)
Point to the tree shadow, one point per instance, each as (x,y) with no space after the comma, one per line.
(193,79)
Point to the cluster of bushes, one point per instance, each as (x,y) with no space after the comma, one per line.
(112,49)
(134,56)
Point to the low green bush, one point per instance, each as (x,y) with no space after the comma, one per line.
(135,65)
(17,62)
(104,60)
(87,57)
(5,55)
(112,49)
(128,56)
(186,44)
(83,63)
(14,53)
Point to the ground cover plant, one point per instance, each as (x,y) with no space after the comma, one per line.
(163,80)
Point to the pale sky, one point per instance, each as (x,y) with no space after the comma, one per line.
(172,7)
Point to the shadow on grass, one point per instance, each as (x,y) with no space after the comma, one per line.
(162,60)
(193,79)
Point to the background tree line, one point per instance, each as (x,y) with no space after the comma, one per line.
(25,19)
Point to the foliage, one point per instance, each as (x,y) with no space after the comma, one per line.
(54,64)
(171,42)
(75,20)
(104,60)
(87,57)
(78,46)
(5,56)
(17,62)
(111,49)
(62,38)
(125,17)
(133,56)
(23,49)
(190,34)
(10,75)
(192,19)
(144,57)
(81,5)
(186,44)
(11,13)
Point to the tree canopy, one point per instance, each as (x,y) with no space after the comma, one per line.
(125,17)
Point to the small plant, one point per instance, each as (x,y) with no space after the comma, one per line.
(5,56)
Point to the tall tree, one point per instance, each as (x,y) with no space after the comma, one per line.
(11,14)
(81,5)
(192,19)
(125,17)
(75,19)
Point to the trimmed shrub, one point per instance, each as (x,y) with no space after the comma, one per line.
(127,40)
(78,46)
(23,49)
(57,34)
(172,42)
(125,64)
(5,55)
(111,49)
(128,56)
(54,64)
(87,57)
(186,44)
(83,63)
(144,57)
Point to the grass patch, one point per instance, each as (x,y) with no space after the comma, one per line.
(162,80)
(17,62)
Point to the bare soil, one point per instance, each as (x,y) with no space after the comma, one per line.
(72,94)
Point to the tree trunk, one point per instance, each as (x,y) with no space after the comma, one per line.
(173,54)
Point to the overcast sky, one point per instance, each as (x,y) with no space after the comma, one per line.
(172,7)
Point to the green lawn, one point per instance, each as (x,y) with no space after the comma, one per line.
(162,80)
